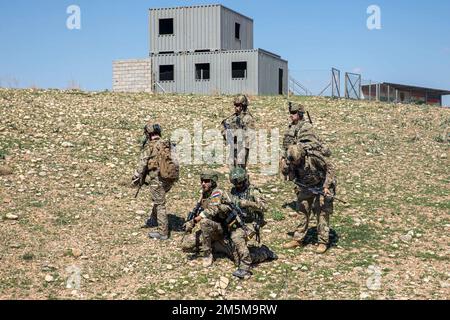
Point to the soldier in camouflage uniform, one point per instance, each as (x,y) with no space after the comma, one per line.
(214,211)
(237,131)
(311,169)
(249,199)
(302,131)
(149,166)
(207,232)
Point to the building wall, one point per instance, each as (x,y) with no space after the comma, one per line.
(403,96)
(132,75)
(228,41)
(268,82)
(199,28)
(220,72)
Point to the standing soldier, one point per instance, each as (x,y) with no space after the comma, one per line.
(311,170)
(299,130)
(237,131)
(156,163)
(252,205)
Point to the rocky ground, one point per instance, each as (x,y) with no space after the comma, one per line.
(70,226)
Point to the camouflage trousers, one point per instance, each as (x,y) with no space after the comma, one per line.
(321,207)
(193,242)
(158,189)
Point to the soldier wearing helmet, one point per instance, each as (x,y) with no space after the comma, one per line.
(149,166)
(249,199)
(237,131)
(300,131)
(313,171)
(213,210)
(209,233)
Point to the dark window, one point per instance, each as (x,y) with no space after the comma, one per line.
(237,31)
(239,70)
(202,71)
(166,52)
(165,26)
(166,73)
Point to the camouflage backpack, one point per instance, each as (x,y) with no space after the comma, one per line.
(169,167)
(313,143)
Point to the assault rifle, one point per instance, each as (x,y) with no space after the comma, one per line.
(317,191)
(238,216)
(195,212)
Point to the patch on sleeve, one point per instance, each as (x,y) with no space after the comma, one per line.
(215,198)
(216,194)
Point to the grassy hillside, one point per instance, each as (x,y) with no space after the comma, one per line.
(66,159)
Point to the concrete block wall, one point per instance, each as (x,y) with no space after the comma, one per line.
(132,75)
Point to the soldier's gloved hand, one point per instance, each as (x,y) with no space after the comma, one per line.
(189,225)
(327,193)
(245,203)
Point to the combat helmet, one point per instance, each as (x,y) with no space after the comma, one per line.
(209,175)
(151,128)
(296,108)
(241,99)
(238,175)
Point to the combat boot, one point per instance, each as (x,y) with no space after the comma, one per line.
(292,244)
(242,274)
(157,235)
(207,261)
(322,248)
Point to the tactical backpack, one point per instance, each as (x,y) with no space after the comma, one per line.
(169,167)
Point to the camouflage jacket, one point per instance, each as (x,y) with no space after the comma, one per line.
(292,133)
(148,162)
(245,122)
(315,171)
(251,203)
(215,205)
(303,132)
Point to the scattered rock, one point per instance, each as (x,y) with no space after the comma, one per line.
(273,295)
(364,295)
(76,253)
(49,278)
(10,216)
(358,269)
(141,212)
(407,238)
(224,282)
(169,267)
(66,144)
(160,291)
(5,171)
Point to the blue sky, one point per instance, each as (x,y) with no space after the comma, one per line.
(413,46)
